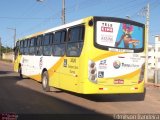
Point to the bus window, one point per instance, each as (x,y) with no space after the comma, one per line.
(16,50)
(26,47)
(122,35)
(32,42)
(46,39)
(39,40)
(63,36)
(17,44)
(51,38)
(31,47)
(38,48)
(47,49)
(21,47)
(59,43)
(74,49)
(75,41)
(59,50)
(57,38)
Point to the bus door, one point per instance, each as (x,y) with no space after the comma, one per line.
(23,52)
(70,66)
(31,57)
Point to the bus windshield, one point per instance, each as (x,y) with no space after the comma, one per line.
(118,34)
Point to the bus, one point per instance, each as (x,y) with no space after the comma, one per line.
(94,55)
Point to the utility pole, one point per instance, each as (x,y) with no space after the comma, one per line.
(145,12)
(63,12)
(147,39)
(63,17)
(14,29)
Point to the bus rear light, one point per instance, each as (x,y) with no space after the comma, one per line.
(92,72)
(100,88)
(140,81)
(92,77)
(141,77)
(103,88)
(92,64)
(136,88)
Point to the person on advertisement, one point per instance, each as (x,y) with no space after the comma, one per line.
(127,37)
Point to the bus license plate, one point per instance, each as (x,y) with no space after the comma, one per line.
(119,81)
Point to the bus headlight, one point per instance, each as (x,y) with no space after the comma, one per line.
(92,72)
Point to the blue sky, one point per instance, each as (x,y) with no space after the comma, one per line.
(30,16)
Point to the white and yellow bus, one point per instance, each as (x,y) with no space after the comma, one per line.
(94,55)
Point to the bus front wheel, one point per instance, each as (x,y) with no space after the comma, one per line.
(20,72)
(45,81)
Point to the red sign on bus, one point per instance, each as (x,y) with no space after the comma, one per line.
(106,29)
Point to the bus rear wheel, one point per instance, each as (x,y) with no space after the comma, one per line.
(45,81)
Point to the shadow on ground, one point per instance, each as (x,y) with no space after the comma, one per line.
(110,97)
(29,104)
(5,72)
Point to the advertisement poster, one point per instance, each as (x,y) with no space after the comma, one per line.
(119,35)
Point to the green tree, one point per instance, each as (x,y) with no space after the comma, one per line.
(6,49)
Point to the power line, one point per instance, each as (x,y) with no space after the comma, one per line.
(82,6)
(42,23)
(127,7)
(23,18)
(35,27)
(88,4)
(28,10)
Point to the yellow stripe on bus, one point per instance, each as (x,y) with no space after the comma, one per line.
(130,75)
(108,54)
(56,66)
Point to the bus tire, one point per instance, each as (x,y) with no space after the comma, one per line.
(141,96)
(45,81)
(20,72)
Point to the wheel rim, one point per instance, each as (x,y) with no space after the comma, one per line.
(44,81)
(20,72)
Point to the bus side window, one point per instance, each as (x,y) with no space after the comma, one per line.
(26,47)
(16,50)
(75,41)
(59,44)
(21,47)
(47,49)
(38,46)
(32,46)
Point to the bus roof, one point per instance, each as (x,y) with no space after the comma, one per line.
(55,29)
(69,25)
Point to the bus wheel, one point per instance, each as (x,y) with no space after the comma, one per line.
(45,81)
(20,72)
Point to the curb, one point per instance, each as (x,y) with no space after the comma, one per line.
(152,84)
